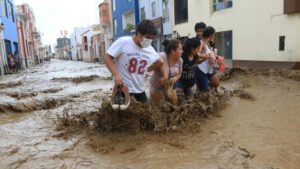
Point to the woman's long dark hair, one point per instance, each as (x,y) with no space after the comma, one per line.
(190,44)
(212,45)
(170,45)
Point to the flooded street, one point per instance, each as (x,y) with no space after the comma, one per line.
(259,127)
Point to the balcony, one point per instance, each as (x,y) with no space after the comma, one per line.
(291,6)
(222,5)
(36,35)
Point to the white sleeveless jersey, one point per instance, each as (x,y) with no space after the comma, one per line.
(205,66)
(132,61)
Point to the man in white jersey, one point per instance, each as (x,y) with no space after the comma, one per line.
(129,57)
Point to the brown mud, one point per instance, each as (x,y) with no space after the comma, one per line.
(10,84)
(19,95)
(148,116)
(80,79)
(251,122)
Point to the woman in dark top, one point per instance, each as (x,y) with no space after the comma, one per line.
(190,61)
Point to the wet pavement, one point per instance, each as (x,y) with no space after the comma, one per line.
(259,128)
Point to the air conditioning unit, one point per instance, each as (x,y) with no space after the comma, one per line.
(175,35)
(291,6)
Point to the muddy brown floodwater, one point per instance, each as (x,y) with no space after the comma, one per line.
(50,117)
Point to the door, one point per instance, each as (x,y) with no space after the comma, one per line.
(223,42)
(7,46)
(16,48)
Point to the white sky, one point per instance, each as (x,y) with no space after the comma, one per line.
(52,16)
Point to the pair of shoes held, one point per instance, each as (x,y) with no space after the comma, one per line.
(120,99)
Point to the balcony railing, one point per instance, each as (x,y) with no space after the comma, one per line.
(291,6)
(222,5)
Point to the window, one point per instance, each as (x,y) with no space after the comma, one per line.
(16,48)
(128,21)
(223,42)
(85,43)
(115,26)
(7,46)
(153,9)
(281,43)
(222,4)
(143,13)
(181,11)
(291,6)
(11,12)
(166,16)
(114,5)
(3,5)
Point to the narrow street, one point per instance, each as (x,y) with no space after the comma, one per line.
(261,132)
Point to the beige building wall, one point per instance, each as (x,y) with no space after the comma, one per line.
(106,24)
(256,26)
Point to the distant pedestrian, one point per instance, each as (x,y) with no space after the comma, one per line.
(12,64)
(17,61)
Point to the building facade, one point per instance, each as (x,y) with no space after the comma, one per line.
(76,42)
(96,42)
(105,15)
(48,50)
(158,12)
(86,38)
(9,21)
(125,16)
(42,53)
(29,37)
(23,13)
(266,38)
(63,48)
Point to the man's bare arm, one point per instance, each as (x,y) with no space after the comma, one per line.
(109,61)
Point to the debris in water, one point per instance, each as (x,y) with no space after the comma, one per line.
(246,153)
(80,79)
(243,95)
(147,116)
(127,150)
(10,84)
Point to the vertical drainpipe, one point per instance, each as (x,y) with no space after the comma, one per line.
(2,55)
(136,12)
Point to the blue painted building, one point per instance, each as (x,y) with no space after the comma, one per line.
(125,16)
(8,17)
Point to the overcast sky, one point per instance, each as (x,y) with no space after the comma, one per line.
(52,16)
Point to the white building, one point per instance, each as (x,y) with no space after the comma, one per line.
(86,37)
(254,33)
(76,41)
(158,12)
(97,39)
(48,49)
(106,37)
(90,45)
